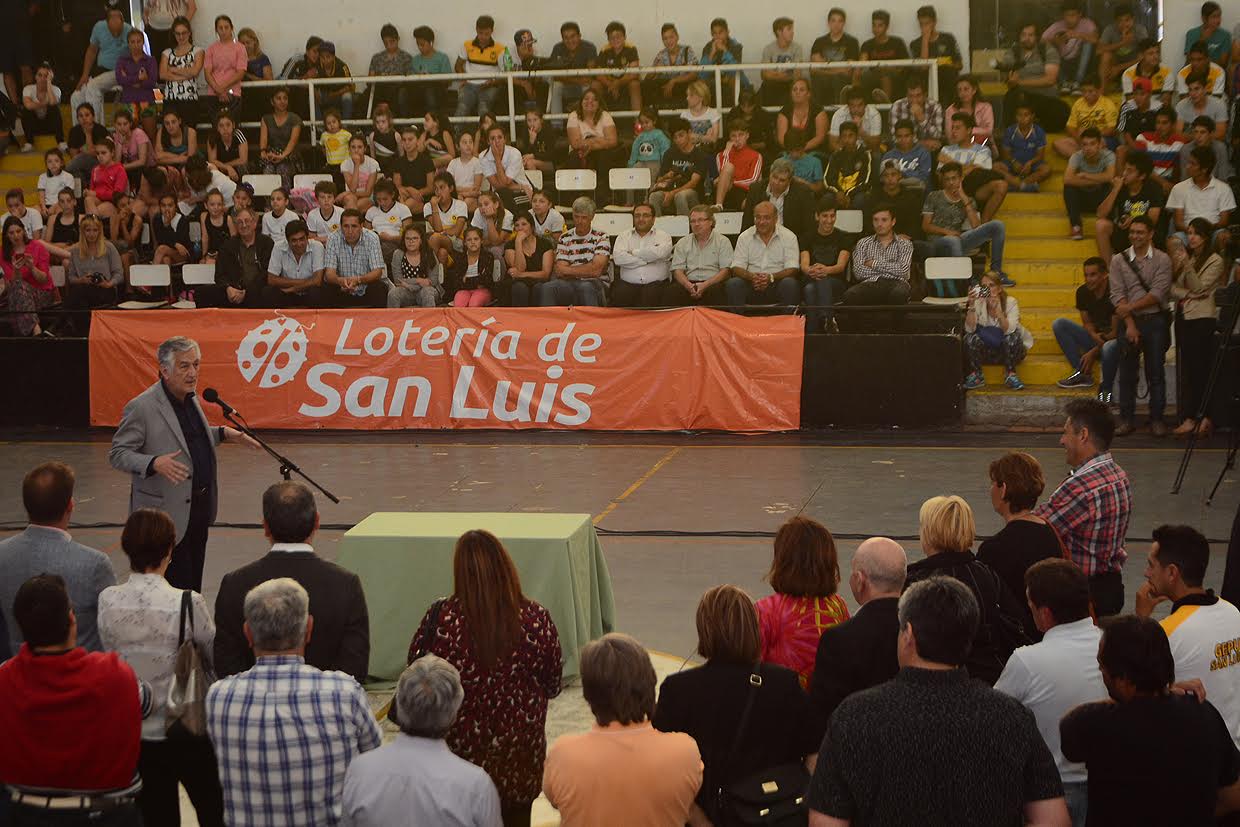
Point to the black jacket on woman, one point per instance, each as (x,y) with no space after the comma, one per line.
(454,273)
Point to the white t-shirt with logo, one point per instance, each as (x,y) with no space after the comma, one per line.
(388,223)
(318,225)
(459,209)
(553,223)
(274,226)
(1205,643)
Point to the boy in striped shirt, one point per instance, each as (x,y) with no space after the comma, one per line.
(1163,146)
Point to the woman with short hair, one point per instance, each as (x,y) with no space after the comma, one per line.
(708,701)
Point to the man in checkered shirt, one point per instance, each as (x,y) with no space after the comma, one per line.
(1090,509)
(284,732)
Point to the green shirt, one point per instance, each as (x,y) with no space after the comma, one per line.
(437,64)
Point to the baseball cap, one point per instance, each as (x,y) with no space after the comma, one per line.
(521,34)
(1142,83)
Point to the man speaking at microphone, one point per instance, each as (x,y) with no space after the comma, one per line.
(165,443)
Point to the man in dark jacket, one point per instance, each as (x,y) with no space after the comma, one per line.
(341,638)
(793,200)
(850,169)
(241,269)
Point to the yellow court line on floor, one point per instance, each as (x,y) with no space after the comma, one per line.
(638,483)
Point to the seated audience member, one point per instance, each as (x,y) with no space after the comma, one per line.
(884,85)
(1140,279)
(941,46)
(296,275)
(283,720)
(1137,115)
(980,180)
(947,532)
(802,120)
(541,144)
(45,547)
(1192,751)
(31,220)
(1164,146)
(582,269)
(1090,509)
(360,173)
(836,46)
(677,188)
(427,97)
(325,220)
(1016,482)
(1198,104)
(446,217)
(528,260)
(951,223)
(1032,76)
(1199,63)
(905,205)
(416,274)
(765,263)
(469,276)
(1087,180)
(1060,672)
(643,258)
(807,169)
(914,161)
(667,89)
(1201,627)
(1093,340)
(570,53)
(392,60)
(848,172)
(1132,194)
(278,217)
(1197,272)
(865,116)
(926,115)
(176,143)
(707,702)
(969,100)
(661,772)
(776,83)
(143,621)
(529,93)
(495,223)
(970,737)
(39,112)
(825,252)
(201,179)
(279,130)
(94,274)
(415,778)
(83,137)
(1090,111)
(721,50)
(504,169)
(1119,45)
(335,142)
(388,218)
(805,574)
(861,651)
(71,718)
(341,640)
(881,263)
(353,266)
(338,96)
(701,263)
(593,142)
(1200,195)
(792,199)
(740,167)
(1211,32)
(994,334)
(618,87)
(108,41)
(761,124)
(1149,68)
(241,268)
(1201,132)
(1074,37)
(507,650)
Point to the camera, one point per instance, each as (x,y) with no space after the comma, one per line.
(96,278)
(983,292)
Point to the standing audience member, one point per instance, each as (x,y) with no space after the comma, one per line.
(1183,743)
(709,701)
(508,653)
(225,65)
(766,262)
(341,640)
(416,779)
(701,262)
(881,263)
(1196,273)
(643,258)
(1016,482)
(180,64)
(1202,628)
(582,268)
(46,547)
(623,771)
(70,718)
(861,651)
(285,732)
(1090,509)
(1140,285)
(1059,673)
(805,574)
(145,620)
(934,735)
(1093,339)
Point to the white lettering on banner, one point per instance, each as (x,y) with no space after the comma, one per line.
(460,396)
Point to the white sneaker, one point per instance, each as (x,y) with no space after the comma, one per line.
(27,147)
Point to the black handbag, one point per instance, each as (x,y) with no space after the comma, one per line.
(424,643)
(772,797)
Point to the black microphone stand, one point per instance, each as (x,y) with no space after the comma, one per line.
(287,466)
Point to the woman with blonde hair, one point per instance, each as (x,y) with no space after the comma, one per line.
(993,333)
(805,574)
(704,121)
(94,276)
(947,531)
(507,650)
(709,701)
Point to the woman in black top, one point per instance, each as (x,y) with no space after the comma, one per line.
(227,149)
(1016,482)
(528,257)
(707,702)
(62,222)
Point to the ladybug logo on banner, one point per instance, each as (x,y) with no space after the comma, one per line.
(276,349)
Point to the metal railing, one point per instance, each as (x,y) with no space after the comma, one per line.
(513,117)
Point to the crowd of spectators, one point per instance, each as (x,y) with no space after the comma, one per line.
(840,710)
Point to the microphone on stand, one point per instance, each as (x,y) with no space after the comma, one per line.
(213,396)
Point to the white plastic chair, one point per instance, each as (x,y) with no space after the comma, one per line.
(948,269)
(148,275)
(307,180)
(630,179)
(848,221)
(262,184)
(194,274)
(535,177)
(574,180)
(57,272)
(612,223)
(729,223)
(677,226)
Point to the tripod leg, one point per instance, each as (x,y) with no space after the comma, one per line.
(1233,444)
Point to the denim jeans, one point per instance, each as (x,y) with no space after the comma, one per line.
(1077,795)
(1075,69)
(1153,348)
(1077,199)
(472,99)
(1074,340)
(970,240)
(823,293)
(786,291)
(342,102)
(568,292)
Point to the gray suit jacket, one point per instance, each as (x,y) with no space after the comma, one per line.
(148,429)
(43,550)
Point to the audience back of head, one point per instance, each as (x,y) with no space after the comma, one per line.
(618,680)
(47,492)
(943,617)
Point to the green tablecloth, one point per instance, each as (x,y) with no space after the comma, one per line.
(405,562)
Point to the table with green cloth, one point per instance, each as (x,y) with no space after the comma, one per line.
(405,562)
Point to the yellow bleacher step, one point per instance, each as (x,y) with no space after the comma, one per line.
(1036,369)
(22,162)
(1046,225)
(1032,202)
(1052,247)
(1036,297)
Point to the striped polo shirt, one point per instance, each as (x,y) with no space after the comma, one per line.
(1164,153)
(1204,631)
(582,249)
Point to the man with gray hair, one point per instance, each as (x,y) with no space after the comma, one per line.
(861,651)
(166,445)
(934,734)
(582,268)
(416,779)
(285,732)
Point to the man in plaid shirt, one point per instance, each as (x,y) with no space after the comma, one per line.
(1090,509)
(285,732)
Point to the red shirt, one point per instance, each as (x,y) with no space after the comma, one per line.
(108,181)
(70,721)
(747,163)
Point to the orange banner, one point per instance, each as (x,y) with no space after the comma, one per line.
(564,368)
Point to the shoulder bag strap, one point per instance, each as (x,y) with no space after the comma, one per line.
(1134,271)
(755,682)
(187,613)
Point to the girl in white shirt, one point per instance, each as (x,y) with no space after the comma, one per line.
(360,172)
(446,217)
(278,217)
(466,171)
(548,223)
(53,180)
(703,120)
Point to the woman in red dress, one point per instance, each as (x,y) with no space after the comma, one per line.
(508,653)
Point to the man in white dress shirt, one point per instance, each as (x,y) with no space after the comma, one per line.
(643,257)
(766,262)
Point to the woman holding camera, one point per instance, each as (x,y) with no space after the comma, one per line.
(1196,271)
(993,333)
(93,275)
